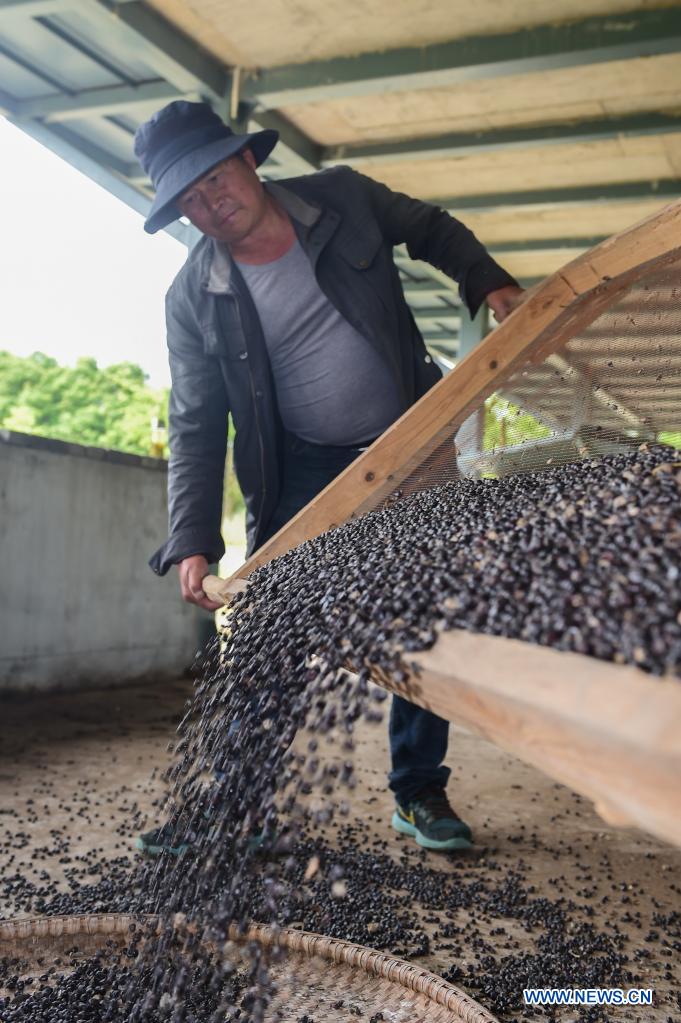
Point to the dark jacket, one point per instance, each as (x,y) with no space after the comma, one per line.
(347,224)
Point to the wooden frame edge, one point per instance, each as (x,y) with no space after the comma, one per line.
(611,732)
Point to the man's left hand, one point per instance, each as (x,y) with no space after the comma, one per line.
(503,301)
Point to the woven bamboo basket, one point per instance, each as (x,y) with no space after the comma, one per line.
(318,975)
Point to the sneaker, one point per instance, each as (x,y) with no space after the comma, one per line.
(168,839)
(429,819)
(165,839)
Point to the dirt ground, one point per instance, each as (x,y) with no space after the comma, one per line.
(88,766)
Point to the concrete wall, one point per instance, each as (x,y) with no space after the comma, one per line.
(79,606)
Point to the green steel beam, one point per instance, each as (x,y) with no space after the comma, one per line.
(441,281)
(440,335)
(34,8)
(422,287)
(294,149)
(430,288)
(473,143)
(579,195)
(99,167)
(437,312)
(88,50)
(448,345)
(177,59)
(8,103)
(90,150)
(28,65)
(148,37)
(543,48)
(99,102)
(541,244)
(472,331)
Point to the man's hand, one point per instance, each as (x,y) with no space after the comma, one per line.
(192,571)
(503,301)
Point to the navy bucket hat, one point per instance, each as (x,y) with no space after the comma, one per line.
(179,144)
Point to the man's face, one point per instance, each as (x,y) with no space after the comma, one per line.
(228,202)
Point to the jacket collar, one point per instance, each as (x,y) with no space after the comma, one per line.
(217,269)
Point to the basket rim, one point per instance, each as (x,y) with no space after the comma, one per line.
(306,943)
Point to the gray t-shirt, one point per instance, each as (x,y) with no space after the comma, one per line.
(332,386)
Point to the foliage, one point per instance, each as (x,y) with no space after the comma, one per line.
(108,408)
(670,438)
(232,499)
(506,425)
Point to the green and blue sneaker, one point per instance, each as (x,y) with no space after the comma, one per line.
(166,839)
(169,838)
(429,819)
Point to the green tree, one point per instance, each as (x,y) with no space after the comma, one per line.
(111,407)
(507,425)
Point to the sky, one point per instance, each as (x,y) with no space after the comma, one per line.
(78,274)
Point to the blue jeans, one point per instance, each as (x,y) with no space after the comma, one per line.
(418,739)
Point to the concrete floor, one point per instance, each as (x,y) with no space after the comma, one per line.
(81,775)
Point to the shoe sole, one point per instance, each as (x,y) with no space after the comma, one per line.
(405,828)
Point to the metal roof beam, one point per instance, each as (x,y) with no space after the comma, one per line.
(296,151)
(178,60)
(441,280)
(473,143)
(425,287)
(545,47)
(34,8)
(451,336)
(430,288)
(538,244)
(436,313)
(148,37)
(89,159)
(28,65)
(90,150)
(88,49)
(99,102)
(7,103)
(580,195)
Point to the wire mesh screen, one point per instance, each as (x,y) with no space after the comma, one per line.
(613,384)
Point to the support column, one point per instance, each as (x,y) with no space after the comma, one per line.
(469,437)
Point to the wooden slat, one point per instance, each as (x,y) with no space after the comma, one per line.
(567,94)
(557,310)
(610,732)
(261,33)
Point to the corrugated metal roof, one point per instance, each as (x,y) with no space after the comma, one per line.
(81,75)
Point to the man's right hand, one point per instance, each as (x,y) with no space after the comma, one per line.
(193,571)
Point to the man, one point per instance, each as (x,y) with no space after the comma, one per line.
(289,316)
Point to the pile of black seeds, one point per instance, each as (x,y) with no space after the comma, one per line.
(91,989)
(583,558)
(489,913)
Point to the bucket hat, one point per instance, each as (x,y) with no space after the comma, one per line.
(179,144)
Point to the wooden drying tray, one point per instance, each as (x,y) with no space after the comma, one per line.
(612,733)
(557,310)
